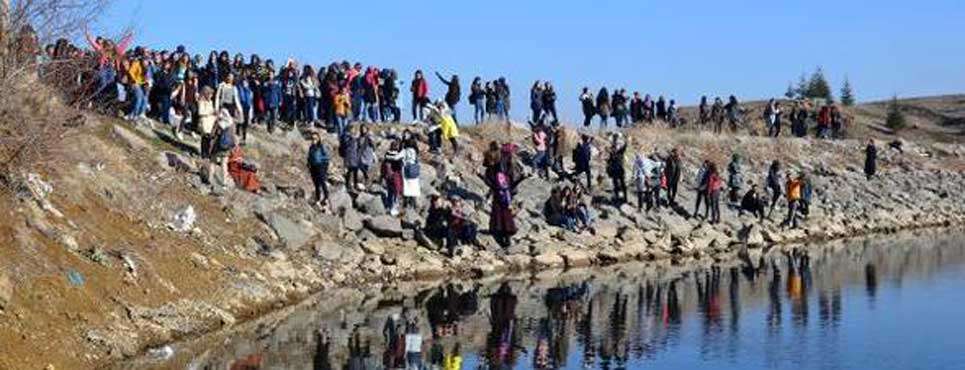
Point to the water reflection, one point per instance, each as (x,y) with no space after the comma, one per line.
(785,311)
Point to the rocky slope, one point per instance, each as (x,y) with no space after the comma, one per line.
(120,246)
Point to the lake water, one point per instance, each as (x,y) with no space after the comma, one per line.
(893,303)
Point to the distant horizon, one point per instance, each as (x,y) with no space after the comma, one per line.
(751,51)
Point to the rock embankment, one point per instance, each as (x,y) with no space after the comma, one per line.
(161,255)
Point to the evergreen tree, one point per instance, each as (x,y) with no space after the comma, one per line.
(895,119)
(818,86)
(847,94)
(791,92)
(802,87)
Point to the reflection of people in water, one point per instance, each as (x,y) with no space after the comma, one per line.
(359,355)
(798,282)
(564,306)
(708,297)
(614,347)
(502,341)
(541,355)
(394,335)
(774,300)
(322,349)
(448,306)
(871,283)
(453,359)
(413,347)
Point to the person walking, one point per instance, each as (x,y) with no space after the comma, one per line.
(318,161)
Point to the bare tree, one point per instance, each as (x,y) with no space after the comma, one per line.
(33,115)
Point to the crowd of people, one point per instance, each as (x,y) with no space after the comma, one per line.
(221,97)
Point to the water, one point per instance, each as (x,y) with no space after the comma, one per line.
(885,304)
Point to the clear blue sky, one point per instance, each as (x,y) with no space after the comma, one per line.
(679,49)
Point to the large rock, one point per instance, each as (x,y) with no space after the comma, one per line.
(370,204)
(548,260)
(179,162)
(340,200)
(351,220)
(292,234)
(6,291)
(385,226)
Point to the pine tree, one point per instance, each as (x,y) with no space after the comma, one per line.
(791,92)
(818,86)
(847,94)
(895,119)
(802,87)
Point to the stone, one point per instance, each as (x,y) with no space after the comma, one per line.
(370,204)
(6,291)
(130,139)
(385,226)
(290,233)
(351,220)
(576,259)
(340,200)
(548,260)
(183,220)
(179,162)
(605,230)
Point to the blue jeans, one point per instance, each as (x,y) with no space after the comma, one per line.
(290,108)
(139,104)
(165,105)
(480,112)
(311,109)
(340,125)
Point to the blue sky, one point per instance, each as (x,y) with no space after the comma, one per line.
(678,49)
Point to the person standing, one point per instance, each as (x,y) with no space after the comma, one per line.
(616,169)
(206,119)
(411,186)
(672,170)
(774,185)
(273,97)
(477,97)
(870,159)
(702,184)
(318,168)
(420,95)
(714,185)
(540,159)
(603,106)
(793,200)
(536,102)
(717,115)
(502,181)
(582,156)
(349,150)
(549,103)
(735,179)
(453,94)
(589,109)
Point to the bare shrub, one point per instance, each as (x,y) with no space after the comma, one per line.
(34,108)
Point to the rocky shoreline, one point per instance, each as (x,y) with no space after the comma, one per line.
(244,255)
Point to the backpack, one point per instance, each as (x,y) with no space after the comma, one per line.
(503,194)
(318,157)
(411,170)
(226,140)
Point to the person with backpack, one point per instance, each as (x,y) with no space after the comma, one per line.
(225,143)
(582,155)
(411,171)
(589,108)
(672,170)
(477,97)
(318,161)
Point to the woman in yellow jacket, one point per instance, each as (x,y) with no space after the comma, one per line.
(135,74)
(342,104)
(441,115)
(793,200)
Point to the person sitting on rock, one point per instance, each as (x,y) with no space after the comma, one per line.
(461,229)
(553,209)
(437,220)
(577,212)
(245,174)
(753,203)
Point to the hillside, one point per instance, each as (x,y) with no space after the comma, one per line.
(97,269)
